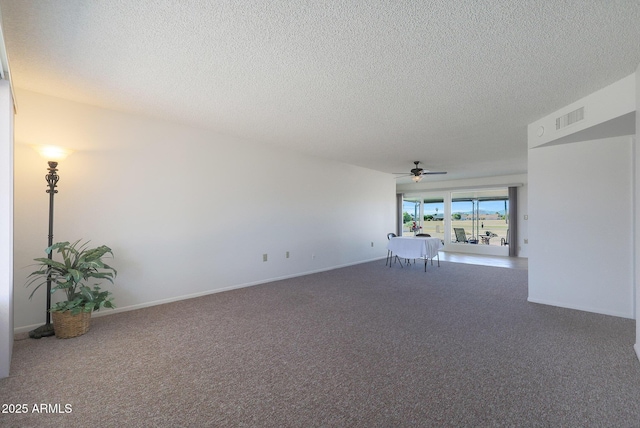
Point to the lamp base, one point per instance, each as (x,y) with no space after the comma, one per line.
(42,331)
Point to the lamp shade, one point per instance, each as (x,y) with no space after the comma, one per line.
(53,153)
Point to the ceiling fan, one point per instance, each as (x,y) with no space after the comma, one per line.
(417,173)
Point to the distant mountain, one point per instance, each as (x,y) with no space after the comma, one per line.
(481,212)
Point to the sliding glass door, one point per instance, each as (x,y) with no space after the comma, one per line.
(411,216)
(433,217)
(467,221)
(423,215)
(480,217)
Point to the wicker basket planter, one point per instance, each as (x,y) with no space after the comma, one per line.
(79,265)
(67,325)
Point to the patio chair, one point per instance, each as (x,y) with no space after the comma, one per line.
(505,241)
(486,238)
(461,236)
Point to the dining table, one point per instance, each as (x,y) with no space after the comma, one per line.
(415,247)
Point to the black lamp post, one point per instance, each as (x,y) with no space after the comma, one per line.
(52,180)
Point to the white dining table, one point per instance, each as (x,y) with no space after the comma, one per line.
(414,247)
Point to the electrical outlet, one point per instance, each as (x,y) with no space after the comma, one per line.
(264,257)
(287,255)
(526,241)
(372,244)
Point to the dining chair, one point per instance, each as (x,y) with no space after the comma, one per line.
(426,235)
(426,258)
(389,252)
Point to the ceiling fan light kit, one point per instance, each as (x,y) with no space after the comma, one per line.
(418,173)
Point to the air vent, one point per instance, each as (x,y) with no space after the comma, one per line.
(570,118)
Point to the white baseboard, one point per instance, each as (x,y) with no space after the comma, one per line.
(24,329)
(480,249)
(582,308)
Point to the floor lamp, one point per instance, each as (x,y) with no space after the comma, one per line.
(53,155)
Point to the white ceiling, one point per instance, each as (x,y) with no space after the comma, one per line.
(373,83)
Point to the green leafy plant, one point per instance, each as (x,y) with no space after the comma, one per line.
(79,264)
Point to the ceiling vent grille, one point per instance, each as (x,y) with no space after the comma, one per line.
(570,118)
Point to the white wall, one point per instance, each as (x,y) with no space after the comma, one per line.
(187,212)
(6,227)
(581,199)
(608,112)
(580,226)
(523,221)
(637,214)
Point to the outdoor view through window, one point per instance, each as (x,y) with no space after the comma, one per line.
(476,217)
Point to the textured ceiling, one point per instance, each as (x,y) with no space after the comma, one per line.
(372,83)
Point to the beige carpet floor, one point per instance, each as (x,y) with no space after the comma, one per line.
(363,346)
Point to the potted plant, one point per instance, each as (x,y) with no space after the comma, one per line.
(71,317)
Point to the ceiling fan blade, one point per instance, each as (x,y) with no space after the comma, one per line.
(417,173)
